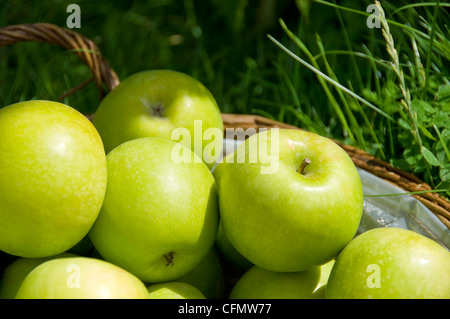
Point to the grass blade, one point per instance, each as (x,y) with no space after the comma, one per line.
(430,51)
(327,78)
(421,4)
(323,83)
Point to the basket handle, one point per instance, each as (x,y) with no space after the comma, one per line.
(69,40)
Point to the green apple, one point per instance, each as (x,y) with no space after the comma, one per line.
(5,260)
(80,278)
(208,277)
(15,273)
(157,103)
(222,243)
(325,271)
(229,252)
(391,263)
(289,199)
(259,283)
(174,290)
(52,178)
(160,217)
(218,169)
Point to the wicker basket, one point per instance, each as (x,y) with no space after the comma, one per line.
(106,79)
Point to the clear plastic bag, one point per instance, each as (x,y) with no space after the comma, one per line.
(387,209)
(402,211)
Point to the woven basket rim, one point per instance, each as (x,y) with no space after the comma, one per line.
(105,76)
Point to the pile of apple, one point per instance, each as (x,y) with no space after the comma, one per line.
(138,203)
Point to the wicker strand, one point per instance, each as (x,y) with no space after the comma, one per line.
(69,40)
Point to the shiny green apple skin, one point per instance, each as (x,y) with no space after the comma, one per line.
(222,243)
(52,178)
(174,290)
(81,278)
(15,273)
(159,218)
(259,283)
(325,271)
(132,110)
(208,277)
(229,252)
(282,220)
(391,263)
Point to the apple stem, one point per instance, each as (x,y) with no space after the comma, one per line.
(158,110)
(303,165)
(169,258)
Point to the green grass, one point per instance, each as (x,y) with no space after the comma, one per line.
(314,64)
(401,105)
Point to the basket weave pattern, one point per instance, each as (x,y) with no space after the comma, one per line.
(103,75)
(69,40)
